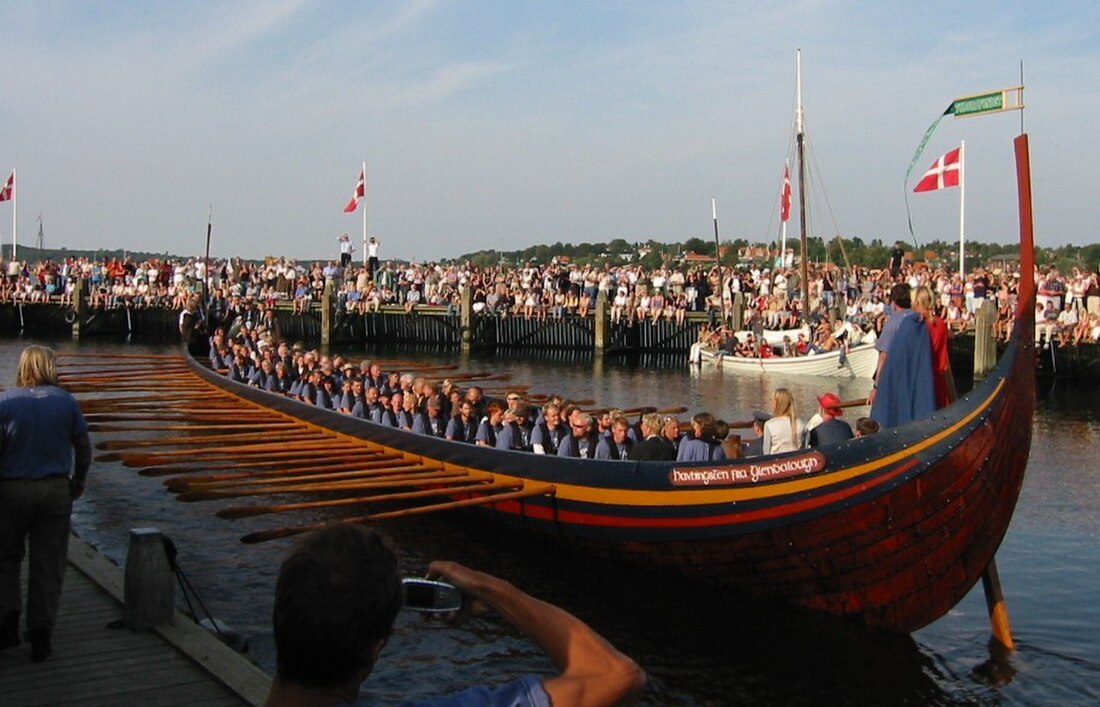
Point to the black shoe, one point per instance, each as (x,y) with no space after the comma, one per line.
(9,631)
(41,646)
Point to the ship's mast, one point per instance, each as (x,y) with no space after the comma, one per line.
(803,272)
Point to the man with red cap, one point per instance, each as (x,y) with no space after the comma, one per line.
(831,430)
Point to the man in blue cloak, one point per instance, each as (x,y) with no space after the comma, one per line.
(904,388)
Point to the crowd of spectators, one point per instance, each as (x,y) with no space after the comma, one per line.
(555,290)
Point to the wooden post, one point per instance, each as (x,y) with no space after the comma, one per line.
(738,310)
(995,603)
(466,319)
(326,315)
(601,323)
(985,346)
(149,593)
(78,305)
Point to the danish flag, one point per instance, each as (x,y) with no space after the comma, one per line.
(360,190)
(943,173)
(8,189)
(785,195)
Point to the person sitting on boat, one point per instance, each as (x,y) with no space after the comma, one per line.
(866,426)
(260,374)
(784,432)
(904,388)
(618,446)
(831,429)
(731,443)
(548,433)
(430,421)
(670,433)
(337,598)
(746,348)
(755,446)
(240,369)
(652,446)
(280,380)
(351,392)
(463,427)
(582,441)
(514,434)
(327,395)
(702,445)
(490,425)
(788,349)
(603,422)
(388,416)
(364,407)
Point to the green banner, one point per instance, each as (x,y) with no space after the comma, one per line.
(985,103)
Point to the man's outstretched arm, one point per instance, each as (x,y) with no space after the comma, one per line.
(593,673)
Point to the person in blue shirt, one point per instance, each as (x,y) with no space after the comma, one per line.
(43,468)
(339,592)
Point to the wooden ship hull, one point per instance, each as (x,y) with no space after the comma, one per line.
(891,530)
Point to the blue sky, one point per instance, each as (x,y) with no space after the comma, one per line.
(502,124)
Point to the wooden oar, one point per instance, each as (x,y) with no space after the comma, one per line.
(76,387)
(74,370)
(369,460)
(65,362)
(432,477)
(185,467)
(175,413)
(309,442)
(235,512)
(228,426)
(405,473)
(275,533)
(208,409)
(134,459)
(400,470)
(241,438)
(143,356)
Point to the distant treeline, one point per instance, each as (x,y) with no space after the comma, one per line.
(854,251)
(653,254)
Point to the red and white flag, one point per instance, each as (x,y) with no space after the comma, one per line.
(8,190)
(943,173)
(360,190)
(785,195)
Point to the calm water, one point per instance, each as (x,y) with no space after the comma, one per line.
(699,646)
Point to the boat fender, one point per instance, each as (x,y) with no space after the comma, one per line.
(70,316)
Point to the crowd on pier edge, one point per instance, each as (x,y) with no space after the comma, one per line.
(1070,302)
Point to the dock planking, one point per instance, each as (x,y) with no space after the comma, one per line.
(94,664)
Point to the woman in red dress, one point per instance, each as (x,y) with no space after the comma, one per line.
(939,334)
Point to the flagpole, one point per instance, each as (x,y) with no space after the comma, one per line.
(364,214)
(14,211)
(962,210)
(206,257)
(718,255)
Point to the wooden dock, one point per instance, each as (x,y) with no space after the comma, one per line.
(94,664)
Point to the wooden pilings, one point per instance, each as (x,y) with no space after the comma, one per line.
(326,315)
(150,594)
(985,345)
(446,327)
(600,328)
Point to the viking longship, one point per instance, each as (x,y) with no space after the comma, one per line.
(891,529)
